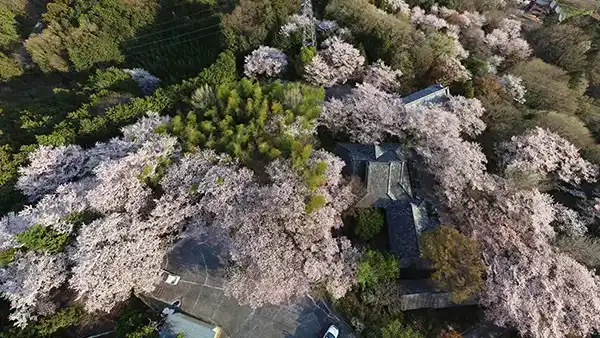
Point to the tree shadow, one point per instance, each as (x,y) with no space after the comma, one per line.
(200,254)
(184,38)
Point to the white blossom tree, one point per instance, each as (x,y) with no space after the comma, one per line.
(144,129)
(50,167)
(507,40)
(397,6)
(367,114)
(469,113)
(382,76)
(131,194)
(266,61)
(542,151)
(280,248)
(514,86)
(529,285)
(295,23)
(336,63)
(147,82)
(112,257)
(28,284)
(568,222)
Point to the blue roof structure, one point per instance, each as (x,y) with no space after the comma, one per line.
(432,94)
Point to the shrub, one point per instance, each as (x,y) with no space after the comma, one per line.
(87,48)
(8,28)
(395,329)
(567,126)
(250,23)
(7,256)
(42,238)
(223,70)
(252,122)
(563,45)
(133,323)
(315,203)
(585,250)
(46,50)
(9,67)
(376,268)
(456,259)
(368,223)
(63,318)
(547,86)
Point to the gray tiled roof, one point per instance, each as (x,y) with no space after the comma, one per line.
(401,230)
(385,171)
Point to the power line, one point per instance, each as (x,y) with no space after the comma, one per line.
(176,19)
(171,38)
(179,5)
(169,29)
(174,44)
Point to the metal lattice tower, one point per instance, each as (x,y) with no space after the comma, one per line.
(309,34)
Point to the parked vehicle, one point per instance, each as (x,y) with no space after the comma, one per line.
(332,332)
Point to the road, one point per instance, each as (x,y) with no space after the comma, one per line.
(200,292)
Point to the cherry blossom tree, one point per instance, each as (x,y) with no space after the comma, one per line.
(507,40)
(266,61)
(449,69)
(397,6)
(382,76)
(131,194)
(261,222)
(28,283)
(367,114)
(529,285)
(10,225)
(112,257)
(336,63)
(280,249)
(542,295)
(144,129)
(419,17)
(514,87)
(208,182)
(50,167)
(567,221)
(147,82)
(542,151)
(468,112)
(295,23)
(493,63)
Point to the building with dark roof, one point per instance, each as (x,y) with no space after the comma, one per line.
(385,171)
(432,94)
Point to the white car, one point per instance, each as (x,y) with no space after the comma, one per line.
(332,332)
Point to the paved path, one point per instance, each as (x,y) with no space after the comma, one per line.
(200,292)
